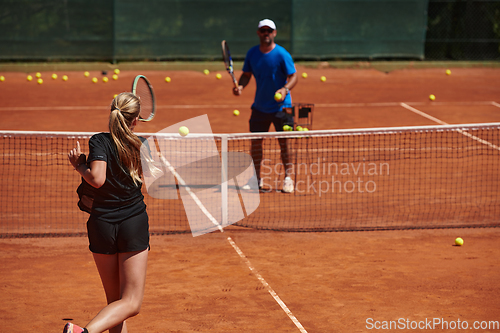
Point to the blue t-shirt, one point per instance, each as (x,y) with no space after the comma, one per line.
(270,71)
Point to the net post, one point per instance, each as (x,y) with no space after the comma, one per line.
(224,173)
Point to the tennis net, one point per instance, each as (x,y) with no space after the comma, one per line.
(364,179)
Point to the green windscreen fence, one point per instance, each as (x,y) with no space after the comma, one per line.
(118,30)
(57,29)
(359,29)
(193,29)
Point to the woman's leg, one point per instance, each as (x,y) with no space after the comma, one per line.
(123,276)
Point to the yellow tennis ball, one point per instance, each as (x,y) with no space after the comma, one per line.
(304,75)
(116,71)
(54,76)
(432,97)
(206,72)
(305,129)
(459,241)
(86,74)
(218,76)
(287,128)
(115,77)
(277,97)
(448,72)
(2,78)
(40,81)
(105,79)
(65,78)
(299,128)
(168,79)
(323,78)
(38,75)
(183,131)
(29,78)
(114,96)
(94,80)
(236,112)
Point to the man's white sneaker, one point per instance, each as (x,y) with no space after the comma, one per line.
(288,185)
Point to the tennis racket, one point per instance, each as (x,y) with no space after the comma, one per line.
(228,61)
(144,90)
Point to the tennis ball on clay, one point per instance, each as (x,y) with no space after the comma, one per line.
(236,112)
(86,74)
(115,77)
(277,97)
(206,72)
(305,129)
(287,128)
(116,71)
(323,78)
(40,81)
(105,79)
(459,241)
(183,131)
(299,128)
(432,97)
(304,75)
(65,78)
(218,76)
(2,78)
(168,79)
(114,96)
(94,79)
(448,72)
(38,75)
(54,76)
(29,77)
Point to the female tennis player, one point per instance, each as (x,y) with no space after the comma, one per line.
(118,227)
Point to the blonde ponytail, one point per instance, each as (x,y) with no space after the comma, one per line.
(125,109)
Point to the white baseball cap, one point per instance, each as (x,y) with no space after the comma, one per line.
(267,23)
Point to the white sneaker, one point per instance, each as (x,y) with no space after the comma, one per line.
(288,185)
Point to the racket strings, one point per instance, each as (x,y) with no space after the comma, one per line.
(144,93)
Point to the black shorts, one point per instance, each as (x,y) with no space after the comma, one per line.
(129,235)
(261,121)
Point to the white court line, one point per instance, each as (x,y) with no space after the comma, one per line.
(236,248)
(268,287)
(64,108)
(227,106)
(191,193)
(381,104)
(423,114)
(473,137)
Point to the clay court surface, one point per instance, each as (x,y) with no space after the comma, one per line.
(331,282)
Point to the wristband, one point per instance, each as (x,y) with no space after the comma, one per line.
(82,159)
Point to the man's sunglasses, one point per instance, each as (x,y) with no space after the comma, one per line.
(264,30)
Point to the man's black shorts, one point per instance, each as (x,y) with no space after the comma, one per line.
(129,235)
(261,122)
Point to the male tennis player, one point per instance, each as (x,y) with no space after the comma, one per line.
(274,72)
